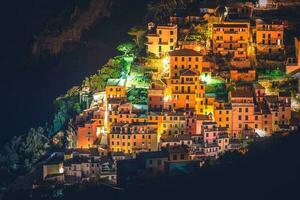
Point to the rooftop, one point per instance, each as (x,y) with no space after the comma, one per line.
(241,93)
(116,82)
(185,52)
(230,25)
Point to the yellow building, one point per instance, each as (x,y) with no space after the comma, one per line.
(115,88)
(172,123)
(161,39)
(231,38)
(132,138)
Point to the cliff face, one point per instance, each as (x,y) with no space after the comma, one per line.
(83,21)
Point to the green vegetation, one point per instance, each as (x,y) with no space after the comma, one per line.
(270,74)
(137,95)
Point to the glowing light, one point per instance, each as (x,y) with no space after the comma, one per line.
(61,170)
(261,133)
(166,64)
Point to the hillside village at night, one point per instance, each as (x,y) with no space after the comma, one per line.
(195,83)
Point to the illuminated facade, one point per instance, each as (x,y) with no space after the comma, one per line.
(184,59)
(223,115)
(231,38)
(161,39)
(115,88)
(87,134)
(242,102)
(269,37)
(132,138)
(242,74)
(172,123)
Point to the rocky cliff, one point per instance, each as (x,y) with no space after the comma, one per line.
(80,20)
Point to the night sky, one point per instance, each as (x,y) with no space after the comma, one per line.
(29,87)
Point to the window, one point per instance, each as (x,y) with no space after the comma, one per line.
(240,117)
(182,58)
(171,32)
(174,157)
(181,156)
(240,109)
(246,110)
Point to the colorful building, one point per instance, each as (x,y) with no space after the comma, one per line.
(231,38)
(242,101)
(161,39)
(115,88)
(269,37)
(184,59)
(133,137)
(87,134)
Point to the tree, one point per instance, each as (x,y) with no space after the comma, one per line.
(139,33)
(126,48)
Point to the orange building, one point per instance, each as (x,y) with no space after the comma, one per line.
(269,37)
(263,118)
(156,96)
(184,59)
(223,115)
(186,91)
(231,38)
(87,134)
(242,101)
(161,39)
(115,88)
(242,74)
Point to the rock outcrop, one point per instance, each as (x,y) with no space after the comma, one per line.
(83,21)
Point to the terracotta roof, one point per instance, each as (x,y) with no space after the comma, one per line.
(185,52)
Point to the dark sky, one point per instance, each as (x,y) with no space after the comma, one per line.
(28,90)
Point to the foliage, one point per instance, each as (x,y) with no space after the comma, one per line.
(198,33)
(159,10)
(137,95)
(126,48)
(139,34)
(115,68)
